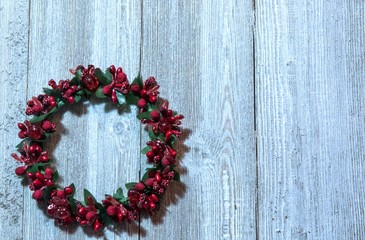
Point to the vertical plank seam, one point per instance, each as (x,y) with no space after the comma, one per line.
(26,97)
(257,210)
(140,125)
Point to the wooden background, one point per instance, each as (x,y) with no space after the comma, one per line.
(273,93)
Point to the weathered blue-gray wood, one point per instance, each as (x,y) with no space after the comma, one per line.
(13,79)
(310,103)
(97,146)
(291,70)
(202,55)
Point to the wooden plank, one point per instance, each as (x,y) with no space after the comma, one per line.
(310,119)
(201,54)
(99,146)
(13,74)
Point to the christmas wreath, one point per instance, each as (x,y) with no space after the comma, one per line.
(162,124)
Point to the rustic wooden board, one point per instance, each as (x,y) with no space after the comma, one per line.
(310,119)
(293,71)
(13,77)
(97,146)
(202,56)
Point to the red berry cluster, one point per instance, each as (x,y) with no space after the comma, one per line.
(148,93)
(68,91)
(88,78)
(88,214)
(35,131)
(160,153)
(59,207)
(29,155)
(39,181)
(119,83)
(40,105)
(159,180)
(118,211)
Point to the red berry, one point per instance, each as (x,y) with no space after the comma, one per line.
(37,109)
(139,187)
(158,178)
(49,183)
(141,103)
(20,171)
(168,135)
(97,226)
(90,82)
(154,198)
(152,205)
(68,190)
(112,69)
(143,93)
(172,152)
(83,223)
(135,88)
(111,210)
(21,126)
(149,181)
(37,194)
(150,154)
(82,211)
(39,176)
(71,99)
(152,99)
(60,194)
(37,184)
(31,176)
(22,134)
(48,126)
(90,216)
(155,115)
(48,172)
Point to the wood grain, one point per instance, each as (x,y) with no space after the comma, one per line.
(13,76)
(201,54)
(97,146)
(293,71)
(310,119)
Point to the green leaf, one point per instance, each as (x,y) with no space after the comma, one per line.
(20,145)
(144,115)
(152,106)
(119,194)
(138,80)
(36,167)
(55,176)
(103,215)
(132,99)
(145,176)
(88,194)
(146,149)
(108,75)
(99,93)
(73,189)
(46,192)
(76,80)
(52,92)
(171,141)
(42,117)
(151,134)
(130,185)
(73,204)
(103,79)
(77,98)
(120,97)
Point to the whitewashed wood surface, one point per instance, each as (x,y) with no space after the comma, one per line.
(274,98)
